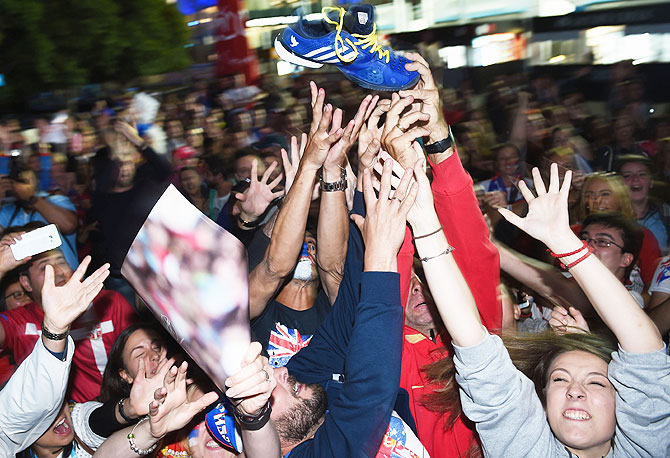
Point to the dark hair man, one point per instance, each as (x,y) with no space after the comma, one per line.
(94,332)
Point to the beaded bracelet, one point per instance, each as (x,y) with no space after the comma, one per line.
(447,251)
(131,440)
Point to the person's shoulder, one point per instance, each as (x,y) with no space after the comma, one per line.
(60,200)
(26,313)
(108,297)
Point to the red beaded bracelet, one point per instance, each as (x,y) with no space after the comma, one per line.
(562,255)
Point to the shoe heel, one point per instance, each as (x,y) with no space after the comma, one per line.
(288,56)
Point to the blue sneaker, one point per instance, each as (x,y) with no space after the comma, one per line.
(347,40)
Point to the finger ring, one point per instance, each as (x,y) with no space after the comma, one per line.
(267,376)
(402,129)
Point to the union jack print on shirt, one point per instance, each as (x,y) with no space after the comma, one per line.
(284,343)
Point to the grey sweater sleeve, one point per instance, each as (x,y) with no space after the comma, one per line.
(502,402)
(642,383)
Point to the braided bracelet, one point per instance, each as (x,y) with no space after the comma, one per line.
(447,251)
(574,263)
(131,440)
(428,235)
(563,255)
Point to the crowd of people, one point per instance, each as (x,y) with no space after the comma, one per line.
(431,273)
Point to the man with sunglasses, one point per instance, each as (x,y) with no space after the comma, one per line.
(615,240)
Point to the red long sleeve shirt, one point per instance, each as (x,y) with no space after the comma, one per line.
(478,260)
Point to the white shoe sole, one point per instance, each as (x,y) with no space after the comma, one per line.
(288,56)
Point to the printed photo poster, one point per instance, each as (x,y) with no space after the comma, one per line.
(193,276)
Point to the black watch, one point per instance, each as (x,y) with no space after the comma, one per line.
(440,146)
(253,422)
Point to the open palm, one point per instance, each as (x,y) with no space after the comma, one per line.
(171,409)
(63,304)
(547,217)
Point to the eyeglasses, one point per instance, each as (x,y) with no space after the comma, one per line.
(17,295)
(600,243)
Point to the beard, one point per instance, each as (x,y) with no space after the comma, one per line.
(294,425)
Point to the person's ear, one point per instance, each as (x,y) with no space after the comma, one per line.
(125,376)
(517,312)
(626,260)
(25,283)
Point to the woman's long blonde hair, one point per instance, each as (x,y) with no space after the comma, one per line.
(619,189)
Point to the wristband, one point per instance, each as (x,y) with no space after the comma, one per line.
(440,146)
(51,336)
(574,263)
(122,413)
(253,422)
(563,255)
(250,224)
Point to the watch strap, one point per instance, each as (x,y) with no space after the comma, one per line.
(440,146)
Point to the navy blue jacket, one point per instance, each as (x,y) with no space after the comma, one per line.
(362,339)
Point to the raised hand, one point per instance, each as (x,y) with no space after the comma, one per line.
(128,131)
(398,134)
(428,94)
(290,164)
(370,136)
(63,304)
(257,197)
(7,261)
(338,153)
(383,228)
(324,131)
(250,388)
(566,321)
(171,409)
(145,386)
(423,209)
(547,219)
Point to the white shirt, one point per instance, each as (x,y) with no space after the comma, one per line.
(32,398)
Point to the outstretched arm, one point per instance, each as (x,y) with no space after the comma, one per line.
(169,411)
(548,221)
(333,225)
(34,395)
(449,289)
(289,229)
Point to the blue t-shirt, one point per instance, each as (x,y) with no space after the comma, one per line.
(654,223)
(10,215)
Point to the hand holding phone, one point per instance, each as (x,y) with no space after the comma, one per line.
(38,241)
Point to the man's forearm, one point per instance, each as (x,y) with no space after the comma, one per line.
(289,230)
(263,443)
(65,219)
(332,235)
(543,279)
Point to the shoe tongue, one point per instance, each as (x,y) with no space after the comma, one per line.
(360,19)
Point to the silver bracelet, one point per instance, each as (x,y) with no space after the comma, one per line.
(447,251)
(131,440)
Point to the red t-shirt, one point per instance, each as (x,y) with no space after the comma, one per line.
(94,333)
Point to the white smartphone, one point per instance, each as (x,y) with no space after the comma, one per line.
(38,241)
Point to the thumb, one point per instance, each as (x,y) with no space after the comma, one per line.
(512,217)
(48,277)
(252,353)
(140,370)
(358,221)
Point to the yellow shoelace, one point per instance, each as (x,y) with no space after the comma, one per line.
(364,41)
